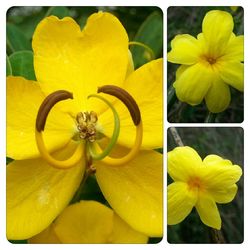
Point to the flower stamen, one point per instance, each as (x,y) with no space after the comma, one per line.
(135,113)
(48,103)
(114,137)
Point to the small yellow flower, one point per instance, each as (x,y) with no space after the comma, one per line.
(199,184)
(89,222)
(210,62)
(71,61)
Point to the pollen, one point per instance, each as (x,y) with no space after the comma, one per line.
(86,125)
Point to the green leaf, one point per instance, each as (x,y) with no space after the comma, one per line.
(16,40)
(58,11)
(8,67)
(22,64)
(151,34)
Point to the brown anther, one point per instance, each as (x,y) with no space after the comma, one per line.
(48,103)
(126,98)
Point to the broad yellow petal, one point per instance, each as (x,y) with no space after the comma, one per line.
(181,69)
(224,195)
(123,233)
(23,101)
(79,61)
(135,191)
(89,222)
(232,73)
(181,201)
(184,50)
(235,49)
(84,222)
(37,193)
(220,173)
(218,96)
(47,236)
(145,85)
(193,84)
(208,211)
(217,27)
(183,162)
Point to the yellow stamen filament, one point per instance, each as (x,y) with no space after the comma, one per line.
(132,153)
(62,164)
(48,103)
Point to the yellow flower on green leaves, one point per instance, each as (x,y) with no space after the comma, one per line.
(57,126)
(199,184)
(89,222)
(210,63)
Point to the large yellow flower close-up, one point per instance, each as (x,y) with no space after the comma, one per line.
(201,184)
(211,63)
(87,97)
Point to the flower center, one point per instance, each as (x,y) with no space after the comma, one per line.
(86,125)
(211,60)
(194,183)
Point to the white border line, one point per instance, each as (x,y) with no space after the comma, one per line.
(163,4)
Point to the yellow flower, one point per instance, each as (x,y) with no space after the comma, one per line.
(210,62)
(89,222)
(68,59)
(199,184)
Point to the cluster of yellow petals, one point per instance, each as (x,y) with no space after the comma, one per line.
(79,61)
(201,184)
(210,63)
(88,221)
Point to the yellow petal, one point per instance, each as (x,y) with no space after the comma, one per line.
(37,193)
(232,73)
(84,222)
(135,191)
(208,211)
(218,96)
(23,101)
(131,67)
(235,49)
(47,236)
(180,70)
(79,61)
(185,50)
(124,234)
(183,162)
(193,84)
(220,173)
(181,201)
(217,27)
(145,85)
(89,222)
(224,195)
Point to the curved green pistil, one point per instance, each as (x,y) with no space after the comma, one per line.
(114,137)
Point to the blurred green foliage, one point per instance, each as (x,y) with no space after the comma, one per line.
(227,143)
(188,20)
(143,24)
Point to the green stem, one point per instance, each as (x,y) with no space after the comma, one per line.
(171,97)
(175,135)
(210,118)
(114,137)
